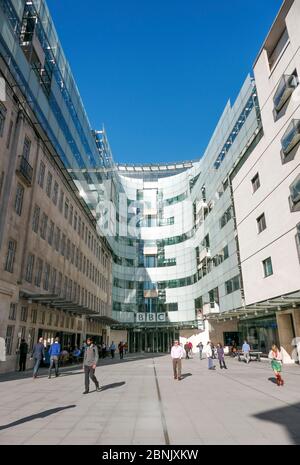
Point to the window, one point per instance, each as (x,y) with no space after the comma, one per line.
(1,182)
(26,148)
(53,281)
(33,317)
(49,184)
(261,223)
(226,252)
(291,138)
(51,233)
(214,297)
(66,208)
(59,283)
(29,268)
(39,271)
(255,183)
(71,215)
(24,314)
(268,268)
(55,193)
(226,217)
(295,195)
(31,333)
(232,285)
(36,218)
(46,277)
(10,258)
(63,245)
(75,221)
(43,228)
(286,87)
(72,253)
(3,112)
(150,261)
(57,239)
(274,52)
(41,176)
(61,201)
(68,249)
(9,339)
(8,140)
(19,199)
(12,312)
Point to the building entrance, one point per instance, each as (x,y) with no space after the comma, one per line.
(151,339)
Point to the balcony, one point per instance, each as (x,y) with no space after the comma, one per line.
(285,89)
(211,308)
(25,170)
(291,137)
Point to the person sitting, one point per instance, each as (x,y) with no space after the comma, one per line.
(76,354)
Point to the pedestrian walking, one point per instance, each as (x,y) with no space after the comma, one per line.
(112,349)
(177,353)
(121,349)
(276,364)
(221,356)
(90,361)
(191,349)
(200,347)
(23,351)
(246,351)
(38,354)
(54,353)
(187,350)
(209,355)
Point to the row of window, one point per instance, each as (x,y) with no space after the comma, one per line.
(66,208)
(50,282)
(61,243)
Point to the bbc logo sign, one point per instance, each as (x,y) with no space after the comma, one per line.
(150,317)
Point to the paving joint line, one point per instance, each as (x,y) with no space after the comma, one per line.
(162,415)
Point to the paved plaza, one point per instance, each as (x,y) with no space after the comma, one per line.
(141,403)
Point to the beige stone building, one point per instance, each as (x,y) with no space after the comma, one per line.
(55,270)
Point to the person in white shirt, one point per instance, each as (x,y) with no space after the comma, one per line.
(177,353)
(209,354)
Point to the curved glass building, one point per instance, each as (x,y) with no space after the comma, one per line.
(171,228)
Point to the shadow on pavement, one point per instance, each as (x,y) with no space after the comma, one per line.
(44,414)
(273,380)
(65,370)
(289,417)
(111,386)
(186,375)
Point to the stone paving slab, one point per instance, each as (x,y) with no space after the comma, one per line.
(241,405)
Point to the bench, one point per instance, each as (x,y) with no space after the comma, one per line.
(254,355)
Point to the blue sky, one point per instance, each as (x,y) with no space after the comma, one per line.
(158,73)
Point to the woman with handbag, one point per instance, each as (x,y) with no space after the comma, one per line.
(276,364)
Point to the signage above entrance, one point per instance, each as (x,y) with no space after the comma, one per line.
(150,317)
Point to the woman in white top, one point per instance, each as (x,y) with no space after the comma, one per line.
(276,364)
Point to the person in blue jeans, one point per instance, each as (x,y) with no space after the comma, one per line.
(246,351)
(38,354)
(54,352)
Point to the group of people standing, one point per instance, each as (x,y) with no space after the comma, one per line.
(178,353)
(111,349)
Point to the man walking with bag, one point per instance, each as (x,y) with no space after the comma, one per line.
(90,361)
